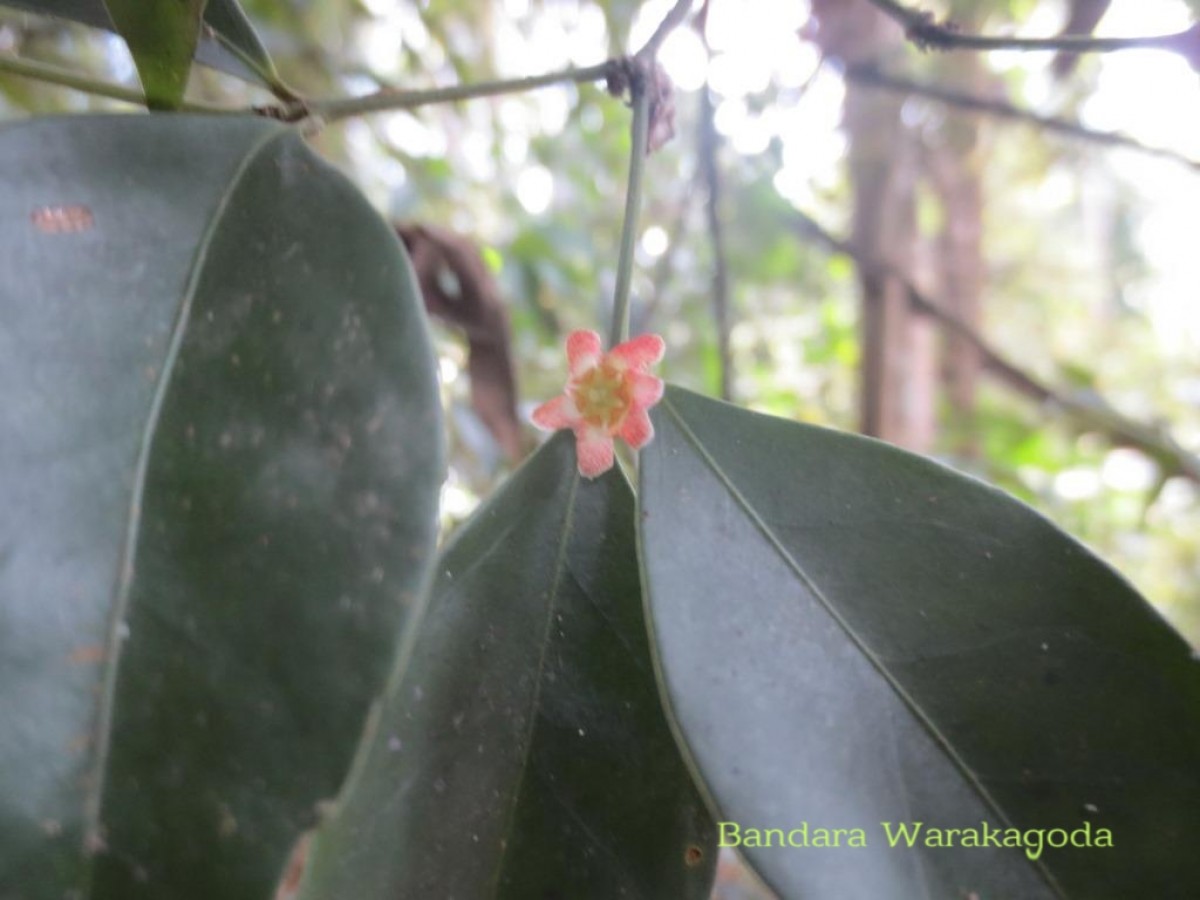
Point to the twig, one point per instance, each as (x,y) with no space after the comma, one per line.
(633,203)
(924,30)
(1090,411)
(716,237)
(382,100)
(389,99)
(640,75)
(50,74)
(670,22)
(870,75)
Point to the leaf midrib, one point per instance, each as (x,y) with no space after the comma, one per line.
(93,798)
(939,739)
(560,565)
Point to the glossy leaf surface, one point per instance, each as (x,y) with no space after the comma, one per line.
(851,635)
(523,752)
(228,42)
(220,462)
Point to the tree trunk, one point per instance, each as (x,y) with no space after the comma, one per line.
(955,168)
(897,378)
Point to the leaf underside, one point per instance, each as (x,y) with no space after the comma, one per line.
(850,634)
(220,465)
(523,752)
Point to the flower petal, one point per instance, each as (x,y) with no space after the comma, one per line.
(594,449)
(637,431)
(644,350)
(647,390)
(583,351)
(558,412)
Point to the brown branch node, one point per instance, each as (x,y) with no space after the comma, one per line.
(927,33)
(628,76)
(621,75)
(290,112)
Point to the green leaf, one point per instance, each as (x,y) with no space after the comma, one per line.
(227,40)
(161,35)
(850,634)
(522,752)
(220,465)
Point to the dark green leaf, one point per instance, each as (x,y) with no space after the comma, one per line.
(523,752)
(161,36)
(219,462)
(227,42)
(850,635)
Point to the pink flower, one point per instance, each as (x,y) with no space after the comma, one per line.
(607,395)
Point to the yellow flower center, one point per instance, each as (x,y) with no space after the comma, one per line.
(604,396)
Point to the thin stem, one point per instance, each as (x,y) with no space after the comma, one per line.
(633,202)
(923,29)
(389,99)
(50,74)
(670,22)
(642,70)
(869,75)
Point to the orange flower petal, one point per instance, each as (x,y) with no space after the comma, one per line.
(583,351)
(637,430)
(558,412)
(606,396)
(594,449)
(647,390)
(644,350)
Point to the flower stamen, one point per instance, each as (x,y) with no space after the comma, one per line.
(603,396)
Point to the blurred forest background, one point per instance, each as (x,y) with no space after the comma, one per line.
(991,257)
